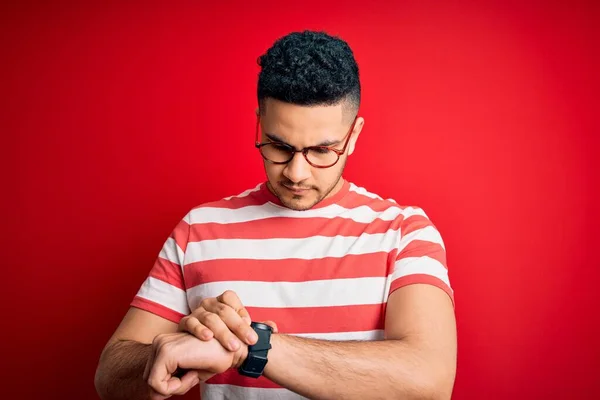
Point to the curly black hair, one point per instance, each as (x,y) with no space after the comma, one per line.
(309,68)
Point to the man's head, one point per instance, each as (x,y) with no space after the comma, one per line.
(309,95)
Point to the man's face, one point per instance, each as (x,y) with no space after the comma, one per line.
(297,184)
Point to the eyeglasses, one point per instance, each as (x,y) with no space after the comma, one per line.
(317,156)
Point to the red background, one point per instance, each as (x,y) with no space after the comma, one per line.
(116,120)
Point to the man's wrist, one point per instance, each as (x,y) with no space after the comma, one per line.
(240,356)
(259,358)
(276,340)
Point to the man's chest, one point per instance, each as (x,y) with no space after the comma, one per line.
(325,295)
(320,282)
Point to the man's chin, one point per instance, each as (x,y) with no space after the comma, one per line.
(298,203)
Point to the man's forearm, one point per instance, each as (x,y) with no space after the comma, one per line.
(120,371)
(386,369)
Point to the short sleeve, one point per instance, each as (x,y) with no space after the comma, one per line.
(420,256)
(163,292)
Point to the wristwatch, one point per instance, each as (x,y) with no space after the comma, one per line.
(254,365)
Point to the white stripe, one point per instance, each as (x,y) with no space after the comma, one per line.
(313,247)
(362,214)
(420,265)
(429,234)
(231,392)
(364,192)
(322,293)
(164,294)
(172,252)
(377,334)
(245,193)
(410,211)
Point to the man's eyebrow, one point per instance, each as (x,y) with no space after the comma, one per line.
(274,138)
(328,143)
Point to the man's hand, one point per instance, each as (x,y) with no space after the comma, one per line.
(223,318)
(180,351)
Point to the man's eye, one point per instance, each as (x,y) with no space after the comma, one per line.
(320,150)
(280,147)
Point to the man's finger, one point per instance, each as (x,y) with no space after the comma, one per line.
(236,324)
(161,377)
(196,328)
(157,396)
(272,324)
(230,298)
(188,381)
(203,376)
(221,325)
(242,312)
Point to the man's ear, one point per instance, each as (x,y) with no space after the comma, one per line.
(257,111)
(360,123)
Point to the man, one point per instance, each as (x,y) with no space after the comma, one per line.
(352,290)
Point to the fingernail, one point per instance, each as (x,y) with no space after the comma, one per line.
(234,345)
(252,337)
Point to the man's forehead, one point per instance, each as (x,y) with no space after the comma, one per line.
(303,125)
(294,114)
(304,134)
(302,141)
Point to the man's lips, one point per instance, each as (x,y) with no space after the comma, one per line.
(295,189)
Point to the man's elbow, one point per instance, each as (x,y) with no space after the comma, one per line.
(101,376)
(438,392)
(437,386)
(99,384)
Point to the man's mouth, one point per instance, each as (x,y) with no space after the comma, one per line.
(296,189)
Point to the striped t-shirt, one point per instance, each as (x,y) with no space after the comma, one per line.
(322,273)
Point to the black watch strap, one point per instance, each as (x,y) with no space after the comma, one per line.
(254,364)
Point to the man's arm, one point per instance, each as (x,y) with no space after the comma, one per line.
(416,361)
(120,371)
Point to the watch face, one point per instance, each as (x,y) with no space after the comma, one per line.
(259,325)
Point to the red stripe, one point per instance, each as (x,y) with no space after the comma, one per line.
(235,202)
(168,272)
(157,309)
(322,319)
(232,377)
(281,227)
(289,270)
(421,278)
(351,200)
(413,223)
(354,199)
(180,234)
(420,248)
(308,320)
(288,227)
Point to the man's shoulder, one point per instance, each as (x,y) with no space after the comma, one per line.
(247,197)
(360,196)
(212,208)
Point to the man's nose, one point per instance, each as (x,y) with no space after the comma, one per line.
(298,169)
